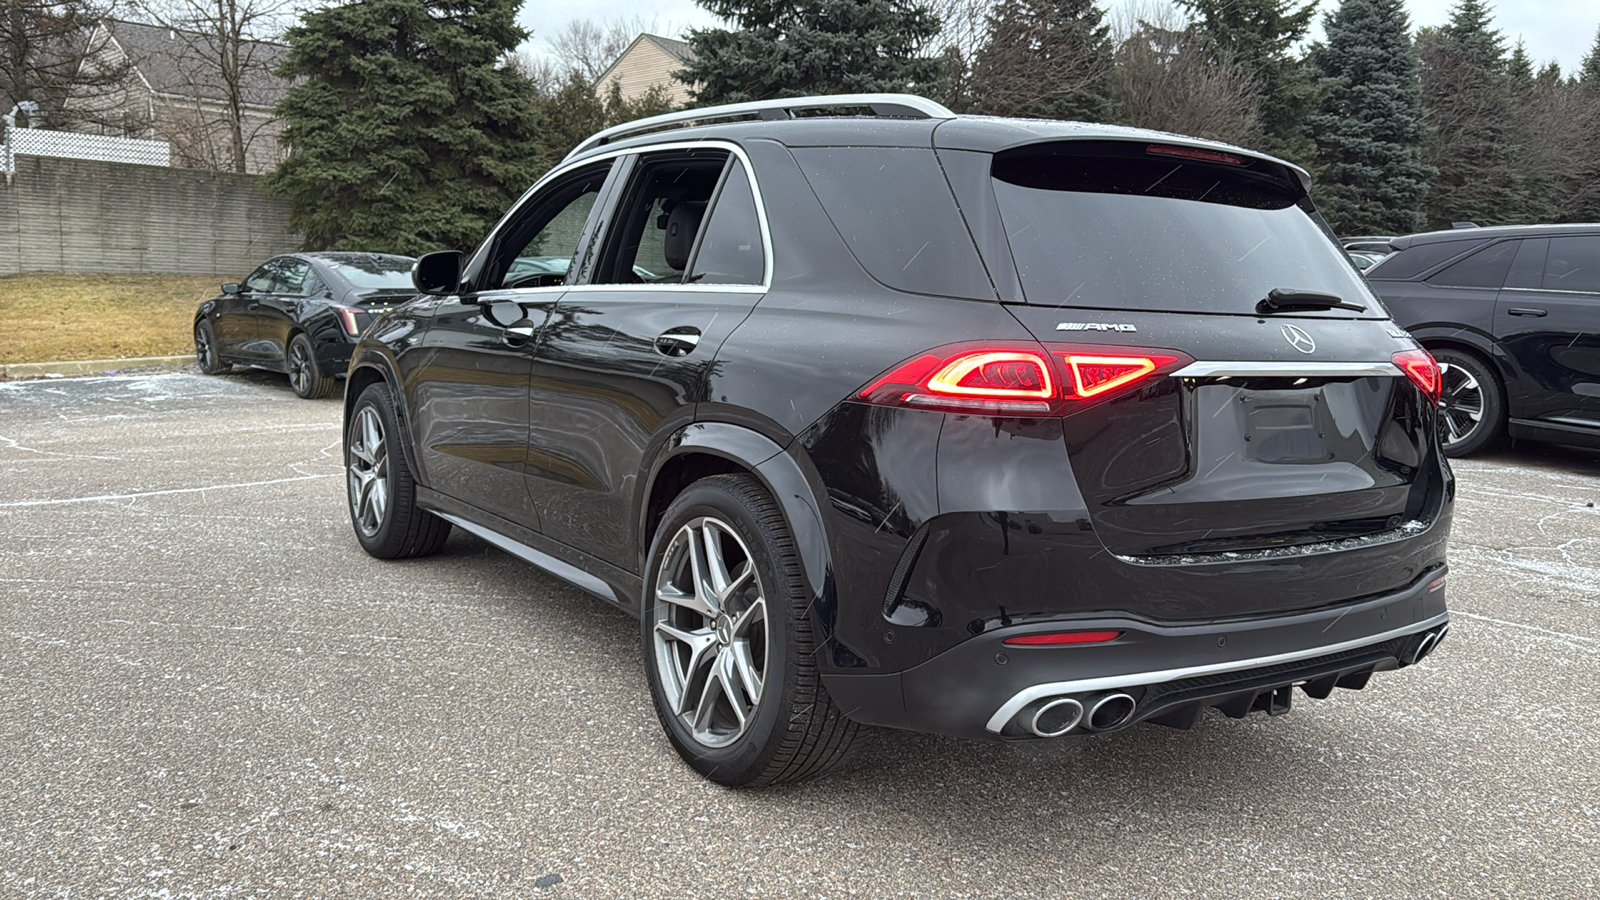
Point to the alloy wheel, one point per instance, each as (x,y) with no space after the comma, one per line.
(203,351)
(710,632)
(300,372)
(368,465)
(1460,404)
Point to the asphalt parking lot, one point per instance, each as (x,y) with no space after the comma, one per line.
(207,689)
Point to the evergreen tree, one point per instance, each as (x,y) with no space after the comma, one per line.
(1048,59)
(1260,35)
(796,48)
(1472,131)
(1582,199)
(1589,69)
(1368,122)
(577,110)
(409,130)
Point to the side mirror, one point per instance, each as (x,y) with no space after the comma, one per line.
(438,272)
(230,287)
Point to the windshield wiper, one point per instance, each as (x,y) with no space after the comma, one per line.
(1291,300)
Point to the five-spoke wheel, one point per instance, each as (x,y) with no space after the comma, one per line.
(205,349)
(381,491)
(304,375)
(368,471)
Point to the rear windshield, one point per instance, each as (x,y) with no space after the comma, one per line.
(1143,232)
(372,272)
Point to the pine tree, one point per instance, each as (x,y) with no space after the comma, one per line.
(796,48)
(1049,59)
(1368,122)
(1260,35)
(1582,199)
(409,130)
(1472,132)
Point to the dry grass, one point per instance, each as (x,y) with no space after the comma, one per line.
(46,318)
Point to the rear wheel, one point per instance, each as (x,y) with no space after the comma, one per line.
(382,493)
(205,349)
(305,376)
(1471,404)
(728,645)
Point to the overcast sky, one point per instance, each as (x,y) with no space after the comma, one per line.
(1562,30)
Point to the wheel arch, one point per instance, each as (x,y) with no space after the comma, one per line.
(370,368)
(714,448)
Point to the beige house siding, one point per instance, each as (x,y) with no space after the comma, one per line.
(642,66)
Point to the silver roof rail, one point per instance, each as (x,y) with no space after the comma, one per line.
(908,106)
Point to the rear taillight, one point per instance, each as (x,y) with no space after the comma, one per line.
(1017,379)
(347,319)
(1423,370)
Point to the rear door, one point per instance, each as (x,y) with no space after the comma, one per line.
(1548,322)
(628,351)
(1202,421)
(471,398)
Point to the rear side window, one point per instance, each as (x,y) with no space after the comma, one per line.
(730,249)
(894,209)
(1419,258)
(1145,232)
(1573,264)
(1486,268)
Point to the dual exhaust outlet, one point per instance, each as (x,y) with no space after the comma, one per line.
(1056,716)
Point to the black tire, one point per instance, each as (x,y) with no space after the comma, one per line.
(205,350)
(395,527)
(791,731)
(305,376)
(1469,387)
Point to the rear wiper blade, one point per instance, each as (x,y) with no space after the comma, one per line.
(1291,300)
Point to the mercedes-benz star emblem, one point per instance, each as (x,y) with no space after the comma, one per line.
(1298,339)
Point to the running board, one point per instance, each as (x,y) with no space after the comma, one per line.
(564,571)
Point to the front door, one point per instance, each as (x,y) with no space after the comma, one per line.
(628,352)
(471,399)
(236,318)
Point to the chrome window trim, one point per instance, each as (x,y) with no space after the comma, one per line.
(1553,291)
(1133,679)
(1288,369)
(755,190)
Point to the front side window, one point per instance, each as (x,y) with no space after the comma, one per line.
(260,281)
(1573,264)
(659,218)
(539,245)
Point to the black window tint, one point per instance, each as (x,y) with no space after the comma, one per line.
(730,249)
(291,277)
(1527,270)
(314,284)
(538,246)
(1573,264)
(260,281)
(894,209)
(1484,269)
(1107,232)
(1419,258)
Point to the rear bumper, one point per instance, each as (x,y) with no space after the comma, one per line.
(983,688)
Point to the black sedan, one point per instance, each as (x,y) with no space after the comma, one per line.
(301,315)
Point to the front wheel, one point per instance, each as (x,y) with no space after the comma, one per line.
(205,349)
(382,493)
(1471,404)
(729,651)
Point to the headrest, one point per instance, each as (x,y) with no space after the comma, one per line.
(682,225)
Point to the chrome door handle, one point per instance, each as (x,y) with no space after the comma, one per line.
(519,334)
(678,342)
(1524,311)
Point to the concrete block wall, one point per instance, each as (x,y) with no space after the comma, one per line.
(71,215)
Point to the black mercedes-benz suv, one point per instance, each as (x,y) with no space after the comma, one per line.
(879,415)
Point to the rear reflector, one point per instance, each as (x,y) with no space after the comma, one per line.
(1216,156)
(1423,370)
(1057,638)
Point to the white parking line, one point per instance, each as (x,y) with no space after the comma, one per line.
(135,496)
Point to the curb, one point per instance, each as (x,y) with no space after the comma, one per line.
(65,368)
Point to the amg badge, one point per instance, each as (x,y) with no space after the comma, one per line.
(1094,326)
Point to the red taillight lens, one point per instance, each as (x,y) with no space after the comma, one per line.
(1423,370)
(347,319)
(1057,638)
(986,379)
(1094,374)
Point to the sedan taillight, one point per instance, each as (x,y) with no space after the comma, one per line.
(347,319)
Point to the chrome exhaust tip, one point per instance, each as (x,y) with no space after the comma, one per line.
(1111,711)
(1429,641)
(1055,718)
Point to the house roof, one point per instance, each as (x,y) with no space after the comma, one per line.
(177,62)
(679,50)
